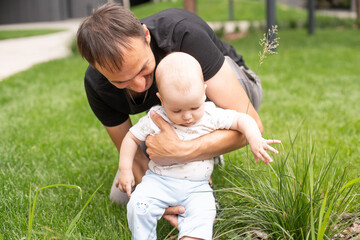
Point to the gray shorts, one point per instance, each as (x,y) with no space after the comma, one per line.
(249,81)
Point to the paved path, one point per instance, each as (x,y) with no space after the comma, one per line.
(20,54)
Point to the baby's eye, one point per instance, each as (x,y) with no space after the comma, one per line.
(177,111)
(195,108)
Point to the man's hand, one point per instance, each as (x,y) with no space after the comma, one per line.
(171,214)
(125,181)
(259,146)
(164,148)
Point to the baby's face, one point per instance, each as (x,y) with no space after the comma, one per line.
(185,109)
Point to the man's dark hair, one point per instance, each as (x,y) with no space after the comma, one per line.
(104,34)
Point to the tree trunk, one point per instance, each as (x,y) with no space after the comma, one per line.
(126,3)
(190,5)
(357,8)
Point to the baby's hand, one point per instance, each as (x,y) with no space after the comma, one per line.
(125,181)
(259,146)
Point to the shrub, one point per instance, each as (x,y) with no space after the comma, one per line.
(73,47)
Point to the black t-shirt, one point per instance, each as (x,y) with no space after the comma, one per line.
(172,30)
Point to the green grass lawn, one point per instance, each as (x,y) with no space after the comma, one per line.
(313,79)
(20,33)
(49,134)
(218,10)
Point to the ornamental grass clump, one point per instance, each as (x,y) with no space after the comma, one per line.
(289,199)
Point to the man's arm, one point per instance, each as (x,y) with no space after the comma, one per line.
(226,92)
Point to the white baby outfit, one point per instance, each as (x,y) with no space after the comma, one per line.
(180,184)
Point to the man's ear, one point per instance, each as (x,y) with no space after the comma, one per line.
(159,96)
(147,33)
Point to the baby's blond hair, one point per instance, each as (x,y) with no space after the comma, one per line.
(179,70)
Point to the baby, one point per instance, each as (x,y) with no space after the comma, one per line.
(182,94)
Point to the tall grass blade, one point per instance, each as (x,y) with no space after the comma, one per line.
(311,181)
(76,219)
(321,228)
(29,214)
(326,220)
(350,183)
(169,234)
(32,211)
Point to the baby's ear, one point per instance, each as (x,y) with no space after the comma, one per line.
(159,96)
(205,86)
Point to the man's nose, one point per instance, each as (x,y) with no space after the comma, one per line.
(138,84)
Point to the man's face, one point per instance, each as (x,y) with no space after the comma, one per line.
(137,71)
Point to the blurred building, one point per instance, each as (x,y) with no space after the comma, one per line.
(21,11)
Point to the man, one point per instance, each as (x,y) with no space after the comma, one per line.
(123,53)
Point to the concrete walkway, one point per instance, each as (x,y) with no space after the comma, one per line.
(21,53)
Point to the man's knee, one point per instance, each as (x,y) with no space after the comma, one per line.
(118,197)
